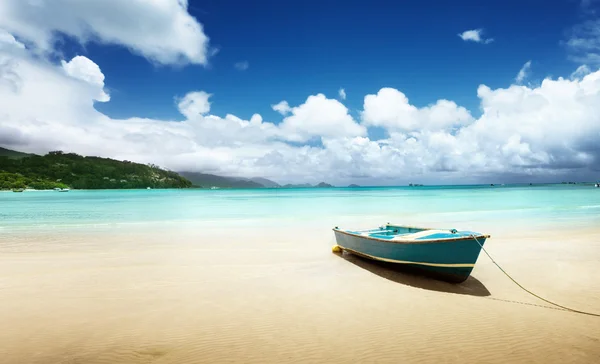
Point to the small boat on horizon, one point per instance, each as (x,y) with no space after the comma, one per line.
(446,254)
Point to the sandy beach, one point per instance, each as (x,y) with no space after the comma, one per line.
(256,296)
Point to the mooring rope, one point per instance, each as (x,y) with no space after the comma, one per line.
(528,291)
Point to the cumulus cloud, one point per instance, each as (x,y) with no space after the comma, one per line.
(194,104)
(523,72)
(83,68)
(241,66)
(539,133)
(475,35)
(282,107)
(391,109)
(342,94)
(162,30)
(320,117)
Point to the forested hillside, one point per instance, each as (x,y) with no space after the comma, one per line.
(58,169)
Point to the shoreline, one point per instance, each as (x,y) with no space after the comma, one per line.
(414,187)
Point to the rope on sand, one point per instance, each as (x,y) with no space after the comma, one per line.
(528,291)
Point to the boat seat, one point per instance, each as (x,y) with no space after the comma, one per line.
(420,234)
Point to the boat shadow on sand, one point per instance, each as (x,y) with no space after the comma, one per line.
(413,277)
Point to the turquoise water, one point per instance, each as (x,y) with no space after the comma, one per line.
(552,205)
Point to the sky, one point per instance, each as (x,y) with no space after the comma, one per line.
(373,93)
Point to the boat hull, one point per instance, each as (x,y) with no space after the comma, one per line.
(449,260)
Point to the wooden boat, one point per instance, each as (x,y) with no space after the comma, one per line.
(448,255)
(18,190)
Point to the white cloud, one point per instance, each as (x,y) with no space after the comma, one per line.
(538,132)
(583,43)
(282,107)
(581,72)
(523,72)
(390,109)
(159,30)
(194,104)
(320,117)
(83,68)
(241,66)
(8,41)
(342,94)
(474,35)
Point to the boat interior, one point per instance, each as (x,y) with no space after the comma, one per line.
(397,232)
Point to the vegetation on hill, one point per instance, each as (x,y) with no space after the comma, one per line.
(12,153)
(58,169)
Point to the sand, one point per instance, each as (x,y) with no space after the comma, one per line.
(268,296)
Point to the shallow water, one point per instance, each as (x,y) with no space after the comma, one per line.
(462,207)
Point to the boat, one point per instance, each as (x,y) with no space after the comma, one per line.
(445,254)
(18,190)
(63,190)
(597,185)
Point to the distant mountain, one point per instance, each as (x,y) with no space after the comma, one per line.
(13,153)
(308,185)
(353,186)
(265,182)
(302,185)
(207,180)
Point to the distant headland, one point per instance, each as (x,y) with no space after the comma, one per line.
(60,170)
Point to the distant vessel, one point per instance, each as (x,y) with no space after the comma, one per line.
(449,255)
(18,190)
(597,185)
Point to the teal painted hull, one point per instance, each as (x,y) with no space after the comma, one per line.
(443,254)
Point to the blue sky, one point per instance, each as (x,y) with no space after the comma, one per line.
(295,49)
(434,91)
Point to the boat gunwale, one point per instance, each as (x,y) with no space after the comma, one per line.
(407,241)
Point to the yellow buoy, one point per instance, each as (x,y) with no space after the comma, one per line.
(336,249)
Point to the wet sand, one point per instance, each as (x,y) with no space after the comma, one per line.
(267,296)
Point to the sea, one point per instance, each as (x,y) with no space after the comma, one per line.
(463,207)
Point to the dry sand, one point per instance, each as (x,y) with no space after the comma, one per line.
(267,296)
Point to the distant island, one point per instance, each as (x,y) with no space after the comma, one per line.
(353,186)
(60,170)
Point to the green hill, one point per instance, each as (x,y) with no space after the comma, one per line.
(13,153)
(58,169)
